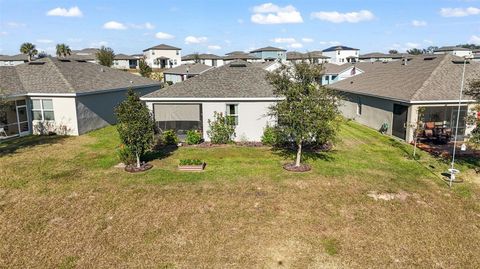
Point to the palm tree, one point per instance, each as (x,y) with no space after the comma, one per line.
(29,49)
(63,50)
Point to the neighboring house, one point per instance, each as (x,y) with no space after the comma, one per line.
(315,57)
(163,56)
(64,96)
(87,55)
(123,61)
(476,55)
(238,89)
(270,54)
(334,72)
(240,56)
(380,57)
(341,54)
(184,72)
(206,59)
(7,60)
(391,93)
(455,51)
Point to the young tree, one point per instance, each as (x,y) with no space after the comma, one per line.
(144,69)
(308,112)
(29,49)
(393,52)
(135,125)
(105,56)
(415,51)
(473,90)
(63,50)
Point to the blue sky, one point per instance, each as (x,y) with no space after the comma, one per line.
(220,26)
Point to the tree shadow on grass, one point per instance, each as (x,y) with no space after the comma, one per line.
(308,154)
(160,153)
(13,145)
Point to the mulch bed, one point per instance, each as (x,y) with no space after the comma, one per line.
(292,168)
(241,144)
(134,169)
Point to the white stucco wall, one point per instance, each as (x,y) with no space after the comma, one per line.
(65,117)
(340,56)
(121,64)
(171,54)
(173,78)
(11,63)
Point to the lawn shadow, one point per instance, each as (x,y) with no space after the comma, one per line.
(289,152)
(11,146)
(160,153)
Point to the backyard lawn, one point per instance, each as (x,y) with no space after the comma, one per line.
(366,204)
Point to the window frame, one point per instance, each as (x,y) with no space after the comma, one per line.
(234,116)
(359,106)
(42,110)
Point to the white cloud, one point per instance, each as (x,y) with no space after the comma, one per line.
(3,33)
(269,13)
(459,12)
(307,40)
(162,35)
(287,40)
(240,21)
(13,24)
(412,45)
(337,17)
(195,40)
(331,43)
(98,44)
(44,41)
(74,40)
(295,45)
(214,47)
(417,23)
(475,39)
(114,25)
(146,25)
(63,12)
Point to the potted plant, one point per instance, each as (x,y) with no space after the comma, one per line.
(191,165)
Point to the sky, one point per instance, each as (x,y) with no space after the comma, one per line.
(221,26)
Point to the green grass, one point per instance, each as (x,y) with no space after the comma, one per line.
(63,204)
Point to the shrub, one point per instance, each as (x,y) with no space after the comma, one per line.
(193,137)
(125,155)
(169,137)
(169,83)
(191,162)
(269,136)
(220,131)
(475,136)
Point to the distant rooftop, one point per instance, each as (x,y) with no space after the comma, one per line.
(188,69)
(335,48)
(202,56)
(451,48)
(162,47)
(269,48)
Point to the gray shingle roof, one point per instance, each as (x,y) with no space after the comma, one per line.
(451,48)
(424,78)
(203,56)
(248,80)
(240,56)
(18,57)
(51,75)
(269,48)
(121,56)
(162,47)
(380,55)
(335,48)
(193,69)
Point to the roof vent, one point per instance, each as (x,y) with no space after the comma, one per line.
(429,58)
(238,64)
(102,70)
(64,60)
(36,63)
(81,61)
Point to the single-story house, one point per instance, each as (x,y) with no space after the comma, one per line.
(238,89)
(63,96)
(123,61)
(454,50)
(390,94)
(240,56)
(203,58)
(7,60)
(184,72)
(313,56)
(270,53)
(380,57)
(334,72)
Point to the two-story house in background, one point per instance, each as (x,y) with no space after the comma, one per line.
(270,54)
(341,54)
(163,56)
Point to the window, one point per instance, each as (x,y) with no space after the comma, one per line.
(338,52)
(359,106)
(178,52)
(153,52)
(214,62)
(232,114)
(42,109)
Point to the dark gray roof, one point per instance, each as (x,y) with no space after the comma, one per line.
(202,56)
(162,47)
(295,55)
(238,79)
(54,76)
(269,48)
(424,78)
(18,57)
(235,52)
(193,69)
(335,48)
(380,55)
(121,56)
(240,56)
(451,48)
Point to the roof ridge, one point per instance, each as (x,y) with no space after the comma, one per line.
(61,74)
(430,77)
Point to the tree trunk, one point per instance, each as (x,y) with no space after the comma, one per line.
(138,160)
(299,154)
(29,58)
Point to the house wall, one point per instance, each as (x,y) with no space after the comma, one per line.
(340,56)
(11,63)
(282,55)
(151,55)
(95,111)
(375,111)
(65,122)
(121,64)
(173,78)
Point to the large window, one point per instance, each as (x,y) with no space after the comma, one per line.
(232,114)
(42,109)
(178,117)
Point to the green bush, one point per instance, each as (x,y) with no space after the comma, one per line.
(475,136)
(169,137)
(269,136)
(193,137)
(169,83)
(126,155)
(191,162)
(220,131)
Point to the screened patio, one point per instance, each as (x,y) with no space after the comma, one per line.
(438,124)
(14,120)
(178,117)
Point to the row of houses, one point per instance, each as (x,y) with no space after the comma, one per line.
(75,96)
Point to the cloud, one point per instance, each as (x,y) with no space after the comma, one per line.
(307,40)
(3,33)
(63,12)
(412,45)
(98,44)
(74,40)
(269,13)
(475,39)
(44,41)
(337,17)
(114,25)
(417,23)
(287,40)
(295,45)
(146,25)
(240,21)
(459,12)
(195,40)
(13,24)
(331,43)
(214,47)
(162,35)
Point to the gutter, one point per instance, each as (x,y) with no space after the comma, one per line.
(88,93)
(194,99)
